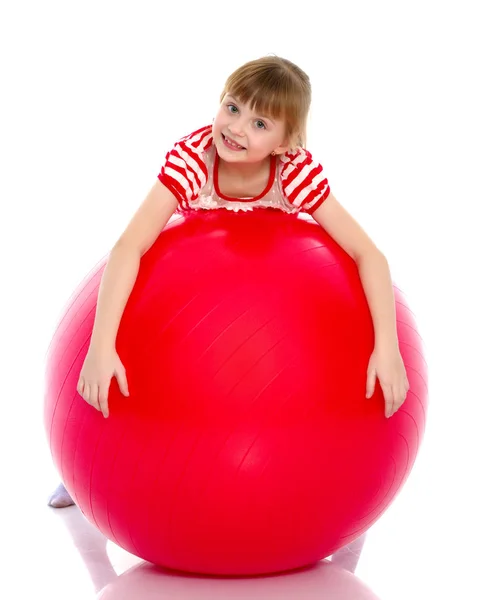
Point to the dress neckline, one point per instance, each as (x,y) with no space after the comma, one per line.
(272,166)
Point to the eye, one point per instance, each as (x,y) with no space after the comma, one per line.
(260,125)
(232,108)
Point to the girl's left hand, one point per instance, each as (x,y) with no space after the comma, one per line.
(387,365)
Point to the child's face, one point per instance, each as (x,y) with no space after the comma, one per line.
(257,135)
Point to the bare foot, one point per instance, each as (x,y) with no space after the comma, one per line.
(60,498)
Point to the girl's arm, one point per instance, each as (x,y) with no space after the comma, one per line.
(386,362)
(372,266)
(123,263)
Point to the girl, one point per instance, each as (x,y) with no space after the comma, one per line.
(252,156)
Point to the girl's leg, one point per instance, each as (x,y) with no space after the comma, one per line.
(60,498)
(348,557)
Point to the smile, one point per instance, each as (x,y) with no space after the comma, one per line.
(230,144)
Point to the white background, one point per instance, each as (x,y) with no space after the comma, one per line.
(93,94)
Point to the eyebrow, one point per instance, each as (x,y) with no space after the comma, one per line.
(238,102)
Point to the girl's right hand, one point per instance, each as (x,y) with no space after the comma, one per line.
(95,377)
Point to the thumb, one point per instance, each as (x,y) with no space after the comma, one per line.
(371,382)
(120,373)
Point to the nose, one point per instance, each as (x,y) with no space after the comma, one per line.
(237,128)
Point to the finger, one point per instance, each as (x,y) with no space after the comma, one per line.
(401,395)
(397,400)
(404,394)
(388,400)
(94,396)
(86,393)
(103,399)
(122,381)
(371,383)
(80,386)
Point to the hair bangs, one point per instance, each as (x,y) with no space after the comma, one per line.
(264,96)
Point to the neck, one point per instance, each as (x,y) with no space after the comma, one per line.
(243,170)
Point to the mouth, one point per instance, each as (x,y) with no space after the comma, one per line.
(230,144)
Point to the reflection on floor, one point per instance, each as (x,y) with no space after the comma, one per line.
(129,577)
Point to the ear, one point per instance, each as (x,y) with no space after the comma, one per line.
(289,144)
(285,147)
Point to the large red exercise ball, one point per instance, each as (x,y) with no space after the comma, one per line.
(247,444)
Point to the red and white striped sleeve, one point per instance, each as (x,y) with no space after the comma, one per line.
(303,181)
(184,172)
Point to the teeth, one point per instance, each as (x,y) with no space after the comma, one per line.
(233,143)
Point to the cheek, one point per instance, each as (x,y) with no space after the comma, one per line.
(218,123)
(216,128)
(263,141)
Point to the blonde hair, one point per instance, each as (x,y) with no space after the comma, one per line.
(277,88)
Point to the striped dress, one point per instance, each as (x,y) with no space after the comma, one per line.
(190,171)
